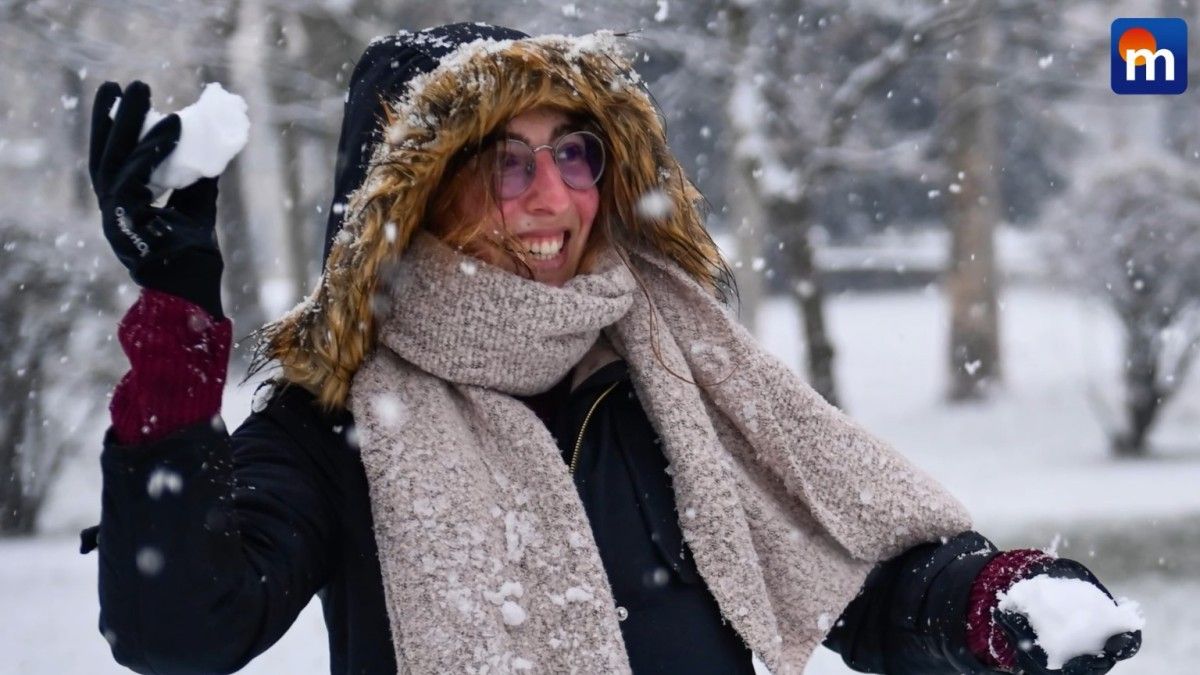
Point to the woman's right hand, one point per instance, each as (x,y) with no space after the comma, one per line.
(173,248)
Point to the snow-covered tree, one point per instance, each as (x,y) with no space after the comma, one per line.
(1132,236)
(57,306)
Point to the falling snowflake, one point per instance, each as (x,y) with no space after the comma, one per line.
(389,408)
(654,205)
(163,479)
(149,561)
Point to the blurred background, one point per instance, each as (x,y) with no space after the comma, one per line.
(938,213)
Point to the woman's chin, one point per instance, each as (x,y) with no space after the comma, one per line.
(557,270)
(557,278)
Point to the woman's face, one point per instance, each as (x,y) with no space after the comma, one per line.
(550,219)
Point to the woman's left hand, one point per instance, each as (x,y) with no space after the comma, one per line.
(1032,658)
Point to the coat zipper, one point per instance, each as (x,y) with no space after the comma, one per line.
(583,427)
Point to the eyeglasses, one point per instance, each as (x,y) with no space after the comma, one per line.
(578,155)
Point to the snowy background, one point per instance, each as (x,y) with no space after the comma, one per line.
(892,168)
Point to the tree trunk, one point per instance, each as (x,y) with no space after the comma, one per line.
(297,249)
(746,219)
(1143,397)
(241,279)
(752,213)
(12,474)
(810,295)
(972,279)
(80,129)
(19,498)
(261,169)
(744,213)
(290,139)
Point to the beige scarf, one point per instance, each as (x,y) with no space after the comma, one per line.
(488,560)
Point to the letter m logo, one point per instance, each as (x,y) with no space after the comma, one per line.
(1149,56)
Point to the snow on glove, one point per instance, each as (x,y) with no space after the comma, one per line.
(1063,621)
(173,248)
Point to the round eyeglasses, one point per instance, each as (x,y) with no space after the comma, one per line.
(578,155)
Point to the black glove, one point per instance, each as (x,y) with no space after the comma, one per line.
(171,249)
(1031,658)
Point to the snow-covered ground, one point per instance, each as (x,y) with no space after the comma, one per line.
(1031,464)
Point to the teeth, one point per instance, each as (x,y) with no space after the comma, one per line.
(545,248)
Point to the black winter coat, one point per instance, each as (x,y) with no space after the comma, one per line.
(203,573)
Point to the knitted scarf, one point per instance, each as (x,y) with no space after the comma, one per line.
(488,560)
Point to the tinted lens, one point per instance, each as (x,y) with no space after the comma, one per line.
(514,168)
(580,159)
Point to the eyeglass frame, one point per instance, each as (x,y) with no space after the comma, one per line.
(495,139)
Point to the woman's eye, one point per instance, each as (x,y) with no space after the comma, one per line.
(571,152)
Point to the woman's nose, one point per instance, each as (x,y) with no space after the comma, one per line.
(548,192)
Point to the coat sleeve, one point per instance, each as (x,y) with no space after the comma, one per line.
(210,545)
(910,617)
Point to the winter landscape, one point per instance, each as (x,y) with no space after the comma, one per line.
(1031,466)
(1003,255)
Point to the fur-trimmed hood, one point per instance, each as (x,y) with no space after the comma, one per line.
(417,98)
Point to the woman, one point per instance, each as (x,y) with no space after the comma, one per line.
(515,429)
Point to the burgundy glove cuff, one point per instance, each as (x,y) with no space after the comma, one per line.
(179,355)
(985,638)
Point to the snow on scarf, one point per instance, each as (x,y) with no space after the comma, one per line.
(488,560)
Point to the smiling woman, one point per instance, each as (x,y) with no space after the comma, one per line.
(523,210)
(515,428)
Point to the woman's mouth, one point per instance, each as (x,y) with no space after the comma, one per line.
(546,252)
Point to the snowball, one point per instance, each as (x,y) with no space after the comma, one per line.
(1071,617)
(212,131)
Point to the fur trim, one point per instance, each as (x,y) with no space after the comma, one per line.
(321,342)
